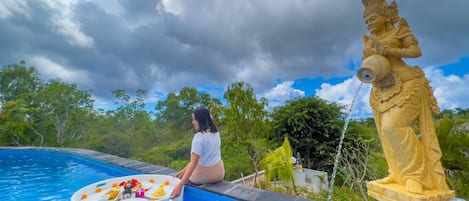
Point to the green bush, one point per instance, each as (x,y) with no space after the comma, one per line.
(453,139)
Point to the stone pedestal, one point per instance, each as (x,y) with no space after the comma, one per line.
(394,192)
(317,179)
(300,178)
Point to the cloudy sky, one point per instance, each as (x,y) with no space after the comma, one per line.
(283,48)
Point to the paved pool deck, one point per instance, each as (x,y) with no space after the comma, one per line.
(236,191)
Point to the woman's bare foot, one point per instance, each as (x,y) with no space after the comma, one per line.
(387,180)
(414,186)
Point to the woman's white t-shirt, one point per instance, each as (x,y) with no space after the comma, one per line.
(207,146)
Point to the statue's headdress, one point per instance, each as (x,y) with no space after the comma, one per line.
(383,8)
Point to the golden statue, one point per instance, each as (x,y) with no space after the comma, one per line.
(401,97)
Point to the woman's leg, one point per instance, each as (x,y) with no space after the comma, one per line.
(206,175)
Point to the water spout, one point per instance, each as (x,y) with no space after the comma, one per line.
(339,148)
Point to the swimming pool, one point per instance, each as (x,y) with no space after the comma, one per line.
(54,175)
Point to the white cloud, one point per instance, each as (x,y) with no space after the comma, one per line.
(281,93)
(451,90)
(52,70)
(111,7)
(64,22)
(170,6)
(256,76)
(343,94)
(8,8)
(184,78)
(212,43)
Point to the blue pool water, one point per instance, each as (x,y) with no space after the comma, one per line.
(53,175)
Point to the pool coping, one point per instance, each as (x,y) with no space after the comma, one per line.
(236,191)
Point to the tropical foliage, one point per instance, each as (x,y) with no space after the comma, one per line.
(453,136)
(278,166)
(41,113)
(313,127)
(35,112)
(245,122)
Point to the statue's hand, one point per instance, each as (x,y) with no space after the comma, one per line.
(376,45)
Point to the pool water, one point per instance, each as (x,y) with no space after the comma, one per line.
(53,175)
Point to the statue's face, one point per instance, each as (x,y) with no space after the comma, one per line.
(375,23)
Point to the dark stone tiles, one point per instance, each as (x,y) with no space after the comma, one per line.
(135,164)
(301,199)
(108,158)
(113,160)
(148,169)
(218,187)
(241,192)
(87,152)
(166,171)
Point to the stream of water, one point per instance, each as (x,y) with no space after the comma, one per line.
(339,148)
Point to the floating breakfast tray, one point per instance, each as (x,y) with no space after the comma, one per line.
(143,187)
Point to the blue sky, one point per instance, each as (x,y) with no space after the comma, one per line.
(283,48)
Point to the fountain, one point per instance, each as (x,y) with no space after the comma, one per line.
(401,97)
(341,141)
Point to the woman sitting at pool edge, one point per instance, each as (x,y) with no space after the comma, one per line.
(206,165)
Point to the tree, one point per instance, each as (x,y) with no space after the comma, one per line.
(18,87)
(459,111)
(131,115)
(44,108)
(246,121)
(447,114)
(16,126)
(175,112)
(16,81)
(313,127)
(125,131)
(66,108)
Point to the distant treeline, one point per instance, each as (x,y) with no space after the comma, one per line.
(35,112)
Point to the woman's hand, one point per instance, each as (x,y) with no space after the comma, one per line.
(177,190)
(180,174)
(184,175)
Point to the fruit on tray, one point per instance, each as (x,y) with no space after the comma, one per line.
(159,193)
(113,193)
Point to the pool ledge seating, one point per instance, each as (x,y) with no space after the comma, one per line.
(236,191)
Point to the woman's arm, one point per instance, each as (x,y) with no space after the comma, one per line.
(186,175)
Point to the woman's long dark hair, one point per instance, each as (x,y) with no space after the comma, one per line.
(205,121)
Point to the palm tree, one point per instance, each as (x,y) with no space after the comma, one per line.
(446,114)
(453,138)
(278,166)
